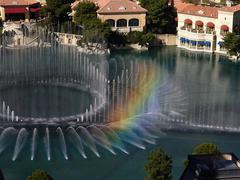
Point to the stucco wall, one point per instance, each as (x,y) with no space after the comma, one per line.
(141,17)
(2,13)
(205,20)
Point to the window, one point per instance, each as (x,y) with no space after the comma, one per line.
(111,22)
(121,23)
(133,22)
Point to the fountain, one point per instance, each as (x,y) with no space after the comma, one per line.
(87,102)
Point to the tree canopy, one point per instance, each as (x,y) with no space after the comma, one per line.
(94,30)
(140,37)
(39,175)
(206,148)
(160,16)
(85,12)
(158,166)
(57,10)
(232,43)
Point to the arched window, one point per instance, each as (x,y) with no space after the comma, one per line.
(133,22)
(111,22)
(121,23)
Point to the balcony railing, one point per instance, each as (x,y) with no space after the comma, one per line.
(199,31)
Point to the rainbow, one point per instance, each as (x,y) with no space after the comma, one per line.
(124,115)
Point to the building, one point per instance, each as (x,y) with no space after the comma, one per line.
(212,167)
(19,9)
(202,28)
(122,15)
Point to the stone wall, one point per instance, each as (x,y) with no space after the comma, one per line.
(167,39)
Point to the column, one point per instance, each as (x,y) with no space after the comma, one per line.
(27,15)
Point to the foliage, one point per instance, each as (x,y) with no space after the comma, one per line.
(206,148)
(160,17)
(56,10)
(134,37)
(39,175)
(192,1)
(85,12)
(140,37)
(232,43)
(95,31)
(44,11)
(158,166)
(117,38)
(147,39)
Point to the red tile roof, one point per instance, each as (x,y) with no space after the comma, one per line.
(231,9)
(199,10)
(99,3)
(17,2)
(121,6)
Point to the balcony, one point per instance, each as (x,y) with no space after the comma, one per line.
(196,34)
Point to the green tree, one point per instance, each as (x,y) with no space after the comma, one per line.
(204,148)
(39,175)
(160,16)
(232,43)
(116,38)
(57,10)
(141,38)
(85,12)
(95,31)
(158,166)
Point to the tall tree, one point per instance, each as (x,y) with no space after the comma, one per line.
(85,12)
(94,31)
(57,10)
(158,166)
(160,16)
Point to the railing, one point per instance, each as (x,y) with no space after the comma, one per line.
(127,28)
(200,31)
(68,39)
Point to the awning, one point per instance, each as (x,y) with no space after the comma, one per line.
(201,42)
(193,42)
(199,23)
(188,21)
(210,25)
(35,9)
(15,10)
(224,28)
(187,40)
(182,39)
(207,43)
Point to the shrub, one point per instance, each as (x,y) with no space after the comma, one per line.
(158,166)
(39,175)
